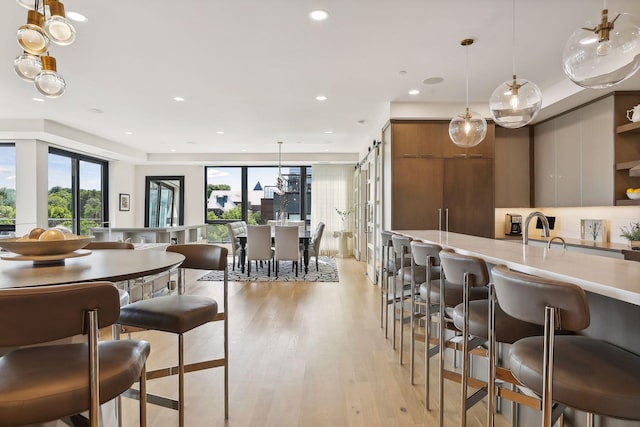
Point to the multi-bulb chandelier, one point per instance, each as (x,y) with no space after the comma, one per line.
(46,22)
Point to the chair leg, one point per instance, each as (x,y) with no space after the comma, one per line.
(317,269)
(181,380)
(143,397)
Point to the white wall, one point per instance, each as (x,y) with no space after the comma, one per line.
(121,177)
(31,185)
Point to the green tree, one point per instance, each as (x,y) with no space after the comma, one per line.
(234,213)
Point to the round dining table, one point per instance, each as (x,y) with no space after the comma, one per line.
(111,265)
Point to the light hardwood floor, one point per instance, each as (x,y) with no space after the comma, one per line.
(301,354)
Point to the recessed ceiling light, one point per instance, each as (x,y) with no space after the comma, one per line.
(403,72)
(173,150)
(220,132)
(414,92)
(328,131)
(95,110)
(244,150)
(38,99)
(321,98)
(128,132)
(433,80)
(362,121)
(191,142)
(178,98)
(319,15)
(76,16)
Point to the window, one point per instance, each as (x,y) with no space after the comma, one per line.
(77,191)
(7,188)
(249,194)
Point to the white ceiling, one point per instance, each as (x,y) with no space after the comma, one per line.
(252,69)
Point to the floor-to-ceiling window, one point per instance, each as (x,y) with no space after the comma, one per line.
(251,194)
(77,191)
(7,188)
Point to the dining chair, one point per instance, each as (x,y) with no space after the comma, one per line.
(577,371)
(180,313)
(314,243)
(259,246)
(287,246)
(47,382)
(236,228)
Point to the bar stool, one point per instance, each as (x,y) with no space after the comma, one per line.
(48,382)
(566,370)
(407,275)
(427,256)
(181,313)
(385,265)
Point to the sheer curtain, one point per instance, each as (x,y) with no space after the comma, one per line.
(331,189)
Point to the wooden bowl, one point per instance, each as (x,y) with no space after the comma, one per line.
(45,247)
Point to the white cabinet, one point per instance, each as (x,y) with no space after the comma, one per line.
(574,157)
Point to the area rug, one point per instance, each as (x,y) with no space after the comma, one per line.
(327,272)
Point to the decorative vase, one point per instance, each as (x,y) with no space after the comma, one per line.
(634,244)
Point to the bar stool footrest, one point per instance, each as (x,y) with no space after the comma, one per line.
(154,399)
(192,367)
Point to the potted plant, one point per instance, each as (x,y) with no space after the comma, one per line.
(344,216)
(632,234)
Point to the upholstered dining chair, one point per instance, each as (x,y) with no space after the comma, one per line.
(259,246)
(287,246)
(180,313)
(53,381)
(235,229)
(314,243)
(577,371)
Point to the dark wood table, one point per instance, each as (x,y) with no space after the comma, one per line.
(304,237)
(112,265)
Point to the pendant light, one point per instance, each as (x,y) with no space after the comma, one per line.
(57,26)
(48,81)
(603,55)
(31,36)
(467,129)
(27,66)
(279,181)
(516,102)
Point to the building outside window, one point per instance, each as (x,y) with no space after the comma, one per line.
(77,191)
(251,194)
(7,188)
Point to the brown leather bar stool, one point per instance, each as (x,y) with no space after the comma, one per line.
(49,382)
(427,256)
(566,370)
(181,313)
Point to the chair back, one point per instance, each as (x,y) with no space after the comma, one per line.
(287,243)
(455,266)
(525,297)
(317,237)
(421,251)
(201,256)
(39,314)
(109,245)
(236,228)
(258,242)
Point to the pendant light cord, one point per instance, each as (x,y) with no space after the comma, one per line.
(513,35)
(466,49)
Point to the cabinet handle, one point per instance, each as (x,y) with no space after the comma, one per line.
(426,156)
(475,156)
(460,156)
(410,156)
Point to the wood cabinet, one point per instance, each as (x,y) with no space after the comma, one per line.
(574,156)
(425,186)
(627,148)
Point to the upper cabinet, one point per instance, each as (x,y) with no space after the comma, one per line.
(627,148)
(512,160)
(574,157)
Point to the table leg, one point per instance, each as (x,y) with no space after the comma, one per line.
(243,253)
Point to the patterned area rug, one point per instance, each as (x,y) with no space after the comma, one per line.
(327,272)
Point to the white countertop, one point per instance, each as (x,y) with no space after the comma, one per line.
(614,278)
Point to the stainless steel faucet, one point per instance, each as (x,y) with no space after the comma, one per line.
(545,226)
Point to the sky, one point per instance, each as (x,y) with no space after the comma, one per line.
(7,167)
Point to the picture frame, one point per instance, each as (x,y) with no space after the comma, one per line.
(125,202)
(593,230)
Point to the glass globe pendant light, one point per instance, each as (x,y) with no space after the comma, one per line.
(516,102)
(604,55)
(48,81)
(27,66)
(469,129)
(31,36)
(57,26)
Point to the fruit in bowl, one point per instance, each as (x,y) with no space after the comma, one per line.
(40,242)
(633,193)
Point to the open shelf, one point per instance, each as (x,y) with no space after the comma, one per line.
(628,202)
(629,127)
